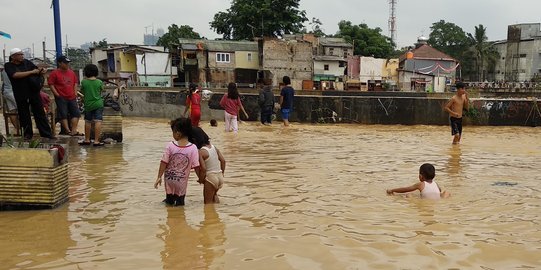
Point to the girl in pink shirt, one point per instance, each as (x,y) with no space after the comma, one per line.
(179,158)
(232,104)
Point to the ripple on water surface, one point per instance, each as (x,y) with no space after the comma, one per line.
(305,197)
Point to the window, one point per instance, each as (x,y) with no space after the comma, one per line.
(522,55)
(325,67)
(222,57)
(345,54)
(249,57)
(331,51)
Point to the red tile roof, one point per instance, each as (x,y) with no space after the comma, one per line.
(427,52)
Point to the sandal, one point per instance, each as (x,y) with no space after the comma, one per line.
(99,144)
(77,134)
(84,143)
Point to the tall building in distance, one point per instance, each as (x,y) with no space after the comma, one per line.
(152,38)
(520,54)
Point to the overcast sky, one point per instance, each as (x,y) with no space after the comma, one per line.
(124,21)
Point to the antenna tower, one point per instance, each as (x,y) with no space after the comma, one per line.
(392,19)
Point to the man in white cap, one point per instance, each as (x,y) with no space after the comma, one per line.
(26,80)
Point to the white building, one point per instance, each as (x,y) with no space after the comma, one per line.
(520,54)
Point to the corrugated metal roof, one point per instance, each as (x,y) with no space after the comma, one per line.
(230,46)
(328,58)
(336,42)
(186,46)
(219,45)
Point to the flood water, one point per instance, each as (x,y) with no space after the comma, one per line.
(304,197)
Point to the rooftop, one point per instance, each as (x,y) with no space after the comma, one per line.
(427,52)
(336,42)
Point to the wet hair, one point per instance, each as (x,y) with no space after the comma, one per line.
(286,80)
(200,138)
(90,70)
(184,126)
(428,171)
(232,91)
(213,122)
(460,85)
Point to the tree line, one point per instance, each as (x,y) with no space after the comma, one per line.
(249,19)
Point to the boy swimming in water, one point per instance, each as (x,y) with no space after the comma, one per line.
(426,185)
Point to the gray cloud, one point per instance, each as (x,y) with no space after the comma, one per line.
(31,21)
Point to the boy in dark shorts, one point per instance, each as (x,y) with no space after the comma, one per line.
(454,107)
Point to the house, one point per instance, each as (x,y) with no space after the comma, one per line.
(334,47)
(291,56)
(139,65)
(371,73)
(520,54)
(389,73)
(331,63)
(216,63)
(425,69)
(329,72)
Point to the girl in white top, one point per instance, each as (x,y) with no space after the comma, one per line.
(212,165)
(426,185)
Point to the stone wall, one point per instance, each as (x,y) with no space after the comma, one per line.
(406,110)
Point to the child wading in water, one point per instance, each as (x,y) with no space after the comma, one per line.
(193,103)
(426,185)
(232,106)
(454,107)
(91,89)
(212,166)
(179,158)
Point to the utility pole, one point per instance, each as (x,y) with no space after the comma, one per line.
(44,55)
(57,28)
(392,20)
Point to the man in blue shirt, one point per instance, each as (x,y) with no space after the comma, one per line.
(286,100)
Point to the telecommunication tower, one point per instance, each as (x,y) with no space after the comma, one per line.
(392,19)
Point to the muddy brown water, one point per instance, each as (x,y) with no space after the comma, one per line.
(305,197)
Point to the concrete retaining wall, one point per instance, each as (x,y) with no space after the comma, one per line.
(344,109)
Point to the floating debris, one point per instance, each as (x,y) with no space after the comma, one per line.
(504,184)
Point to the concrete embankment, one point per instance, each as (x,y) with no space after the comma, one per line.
(364,108)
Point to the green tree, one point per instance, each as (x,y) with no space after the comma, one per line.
(100,44)
(170,39)
(316,24)
(315,28)
(484,53)
(366,41)
(79,58)
(448,38)
(246,19)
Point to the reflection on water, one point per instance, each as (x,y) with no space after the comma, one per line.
(200,243)
(304,197)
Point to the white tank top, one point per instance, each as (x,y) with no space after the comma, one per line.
(431,191)
(212,162)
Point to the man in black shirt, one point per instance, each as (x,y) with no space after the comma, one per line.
(26,92)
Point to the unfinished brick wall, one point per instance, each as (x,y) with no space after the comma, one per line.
(288,58)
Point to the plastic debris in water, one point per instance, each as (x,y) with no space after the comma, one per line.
(504,183)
